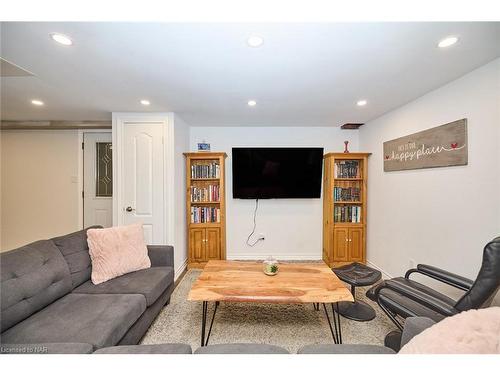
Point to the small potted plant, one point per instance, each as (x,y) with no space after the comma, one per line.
(271,266)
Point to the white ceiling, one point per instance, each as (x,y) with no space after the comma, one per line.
(304,74)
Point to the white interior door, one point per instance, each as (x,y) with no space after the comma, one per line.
(97,180)
(143,172)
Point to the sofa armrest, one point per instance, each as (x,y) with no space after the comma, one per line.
(345,349)
(414,326)
(161,255)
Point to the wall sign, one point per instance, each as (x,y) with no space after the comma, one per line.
(442,146)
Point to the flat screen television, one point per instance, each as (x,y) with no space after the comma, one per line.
(264,173)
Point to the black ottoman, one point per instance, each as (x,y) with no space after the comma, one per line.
(357,274)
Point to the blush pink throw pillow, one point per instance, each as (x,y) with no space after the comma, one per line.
(116,251)
(470,332)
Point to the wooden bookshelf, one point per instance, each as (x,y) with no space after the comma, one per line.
(344,208)
(206,207)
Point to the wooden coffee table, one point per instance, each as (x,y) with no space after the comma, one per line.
(234,281)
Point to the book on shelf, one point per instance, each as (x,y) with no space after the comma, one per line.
(347,214)
(209,193)
(346,194)
(211,170)
(201,215)
(347,169)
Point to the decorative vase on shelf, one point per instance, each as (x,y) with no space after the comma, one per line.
(346,150)
(271,266)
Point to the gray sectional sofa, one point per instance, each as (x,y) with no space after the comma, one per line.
(50,306)
(49,302)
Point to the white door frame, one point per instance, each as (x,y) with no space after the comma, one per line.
(166,120)
(80,198)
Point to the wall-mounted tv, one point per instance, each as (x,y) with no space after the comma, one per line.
(264,173)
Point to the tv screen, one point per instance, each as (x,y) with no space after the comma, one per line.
(262,173)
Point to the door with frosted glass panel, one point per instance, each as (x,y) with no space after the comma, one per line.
(97,180)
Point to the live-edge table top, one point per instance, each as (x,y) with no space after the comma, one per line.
(240,281)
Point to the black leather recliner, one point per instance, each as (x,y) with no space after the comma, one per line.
(401,297)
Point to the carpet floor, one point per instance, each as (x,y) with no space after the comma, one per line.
(289,326)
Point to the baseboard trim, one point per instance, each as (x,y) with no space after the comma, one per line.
(385,275)
(277,256)
(178,272)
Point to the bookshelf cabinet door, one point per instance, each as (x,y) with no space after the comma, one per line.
(197,245)
(212,243)
(356,244)
(341,244)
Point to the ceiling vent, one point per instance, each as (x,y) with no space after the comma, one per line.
(351,125)
(8,69)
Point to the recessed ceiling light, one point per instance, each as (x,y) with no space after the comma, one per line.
(252,103)
(37,102)
(361,102)
(447,42)
(62,39)
(255,41)
(145,102)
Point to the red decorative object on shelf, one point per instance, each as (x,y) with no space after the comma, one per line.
(346,151)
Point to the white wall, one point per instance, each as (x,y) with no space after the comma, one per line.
(440,216)
(292,227)
(39,189)
(181,139)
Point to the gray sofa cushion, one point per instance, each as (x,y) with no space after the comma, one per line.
(413,326)
(100,320)
(241,349)
(345,349)
(141,326)
(32,277)
(147,349)
(150,282)
(47,348)
(75,250)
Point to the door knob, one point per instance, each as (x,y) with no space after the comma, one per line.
(129,209)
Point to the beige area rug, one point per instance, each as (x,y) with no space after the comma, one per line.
(289,326)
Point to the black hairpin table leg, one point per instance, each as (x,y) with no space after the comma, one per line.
(336,329)
(203,322)
(204,341)
(335,312)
